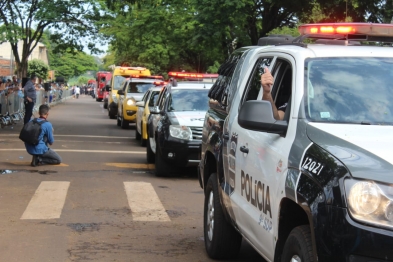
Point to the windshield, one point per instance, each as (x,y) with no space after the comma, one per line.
(117,81)
(135,87)
(349,90)
(188,100)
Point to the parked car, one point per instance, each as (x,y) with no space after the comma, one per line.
(175,126)
(144,106)
(132,91)
(119,74)
(315,184)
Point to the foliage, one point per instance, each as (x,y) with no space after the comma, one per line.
(39,68)
(82,80)
(285,30)
(376,11)
(72,20)
(68,64)
(198,35)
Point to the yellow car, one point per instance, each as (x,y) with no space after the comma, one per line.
(132,92)
(142,115)
(119,75)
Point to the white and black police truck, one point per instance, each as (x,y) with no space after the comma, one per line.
(316,185)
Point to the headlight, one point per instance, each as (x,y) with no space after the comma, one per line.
(130,102)
(370,202)
(181,132)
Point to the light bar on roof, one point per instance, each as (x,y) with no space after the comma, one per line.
(191,75)
(348,28)
(160,83)
(147,77)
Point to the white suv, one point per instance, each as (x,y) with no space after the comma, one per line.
(318,184)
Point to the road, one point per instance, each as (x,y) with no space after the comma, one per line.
(103,203)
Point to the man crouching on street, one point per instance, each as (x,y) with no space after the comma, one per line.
(42,154)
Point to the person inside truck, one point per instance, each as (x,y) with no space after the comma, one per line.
(267,81)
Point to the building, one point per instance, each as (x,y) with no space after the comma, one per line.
(7,61)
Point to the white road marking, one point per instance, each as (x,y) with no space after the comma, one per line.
(57,135)
(48,200)
(81,151)
(144,202)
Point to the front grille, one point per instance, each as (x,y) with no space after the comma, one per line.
(196,133)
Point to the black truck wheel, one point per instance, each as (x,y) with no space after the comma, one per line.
(222,241)
(163,169)
(137,135)
(298,246)
(149,153)
(124,123)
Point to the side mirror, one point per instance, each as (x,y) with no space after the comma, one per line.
(120,92)
(140,104)
(257,115)
(108,88)
(155,110)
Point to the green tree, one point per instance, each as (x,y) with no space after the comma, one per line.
(38,68)
(26,21)
(82,80)
(68,63)
(375,11)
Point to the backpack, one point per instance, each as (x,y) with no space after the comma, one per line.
(31,131)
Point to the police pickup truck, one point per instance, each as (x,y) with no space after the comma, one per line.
(316,184)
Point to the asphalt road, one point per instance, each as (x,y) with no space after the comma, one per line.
(103,203)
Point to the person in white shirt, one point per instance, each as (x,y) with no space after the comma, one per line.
(77,91)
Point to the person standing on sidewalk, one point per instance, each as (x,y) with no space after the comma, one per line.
(30,98)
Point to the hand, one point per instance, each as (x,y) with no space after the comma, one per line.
(29,99)
(267,80)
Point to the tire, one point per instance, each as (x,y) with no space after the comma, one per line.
(105,106)
(124,123)
(143,141)
(150,156)
(137,135)
(298,246)
(162,168)
(111,116)
(222,241)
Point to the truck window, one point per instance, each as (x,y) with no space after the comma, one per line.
(254,83)
(282,84)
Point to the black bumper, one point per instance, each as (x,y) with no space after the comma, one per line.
(184,153)
(340,238)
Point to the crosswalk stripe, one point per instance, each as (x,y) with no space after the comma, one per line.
(144,202)
(48,200)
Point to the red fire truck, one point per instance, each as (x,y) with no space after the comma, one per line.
(103,78)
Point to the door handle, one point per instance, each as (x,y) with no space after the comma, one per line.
(225,136)
(244,149)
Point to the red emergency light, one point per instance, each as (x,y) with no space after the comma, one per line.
(147,77)
(191,75)
(160,83)
(348,28)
